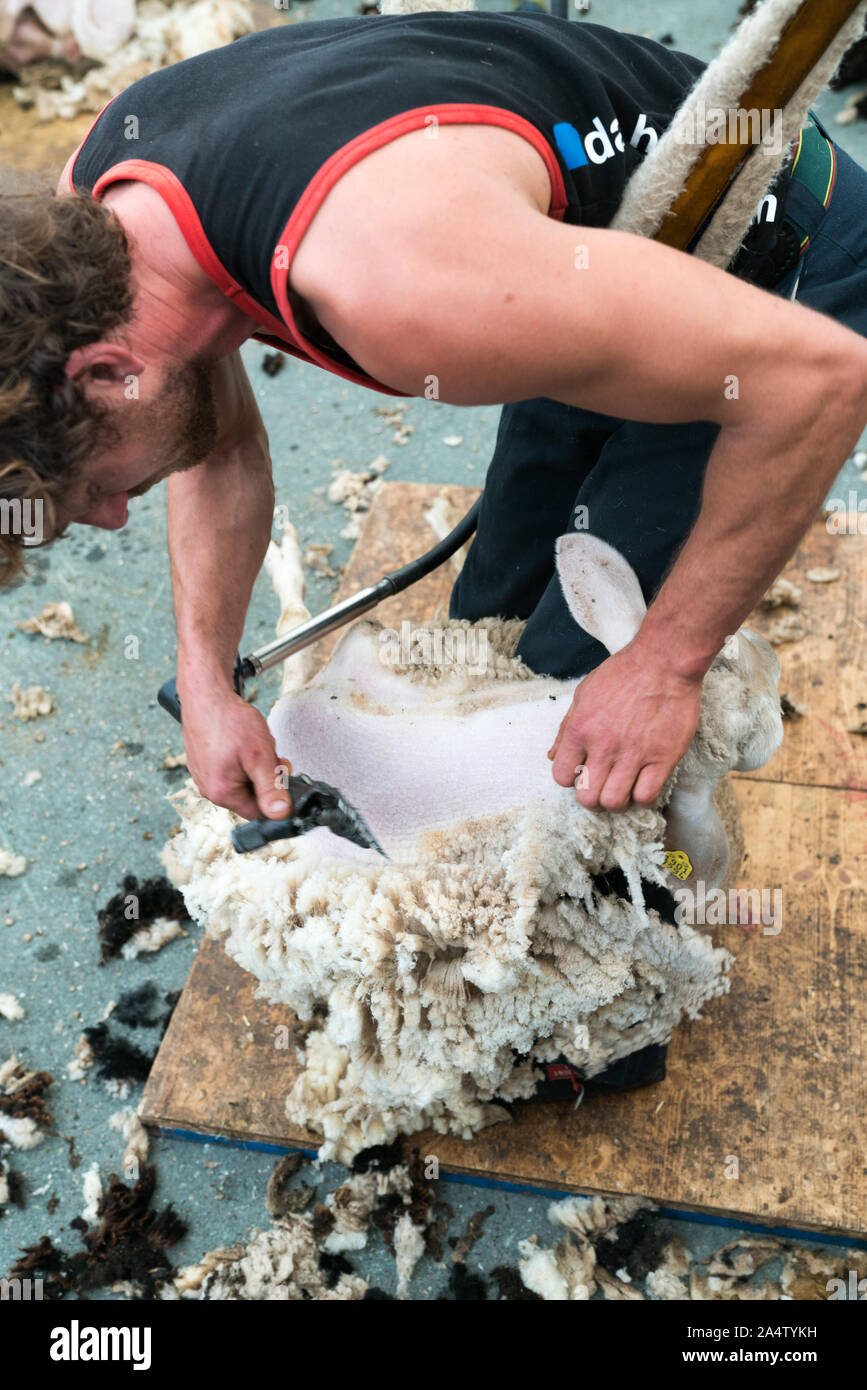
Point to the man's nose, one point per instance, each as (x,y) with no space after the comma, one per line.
(109,514)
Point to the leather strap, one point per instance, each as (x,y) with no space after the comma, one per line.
(803,189)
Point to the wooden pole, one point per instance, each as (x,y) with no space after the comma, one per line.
(802,42)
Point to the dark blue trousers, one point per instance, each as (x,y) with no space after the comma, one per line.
(641,483)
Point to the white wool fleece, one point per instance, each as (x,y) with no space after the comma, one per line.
(439,971)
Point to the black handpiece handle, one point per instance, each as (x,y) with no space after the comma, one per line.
(256,833)
(168,696)
(253,834)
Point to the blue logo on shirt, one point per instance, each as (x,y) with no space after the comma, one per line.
(570,145)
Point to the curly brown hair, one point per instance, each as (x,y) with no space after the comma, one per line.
(65,282)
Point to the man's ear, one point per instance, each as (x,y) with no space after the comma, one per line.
(104,362)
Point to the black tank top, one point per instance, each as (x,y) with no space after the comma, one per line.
(245,141)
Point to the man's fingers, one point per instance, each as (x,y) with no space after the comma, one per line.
(616,793)
(242,803)
(268,777)
(253,788)
(564,727)
(649,784)
(234,793)
(233,758)
(626,730)
(588,786)
(569,753)
(552,751)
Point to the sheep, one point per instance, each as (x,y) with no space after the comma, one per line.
(509,925)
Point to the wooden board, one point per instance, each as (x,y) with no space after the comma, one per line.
(769,1085)
(827,670)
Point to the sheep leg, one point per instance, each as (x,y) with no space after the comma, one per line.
(285,568)
(693,825)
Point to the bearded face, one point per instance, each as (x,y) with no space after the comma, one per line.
(144,440)
(181,423)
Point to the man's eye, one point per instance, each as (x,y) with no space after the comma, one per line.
(93,492)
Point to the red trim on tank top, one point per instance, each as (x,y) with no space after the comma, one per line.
(182,208)
(449,113)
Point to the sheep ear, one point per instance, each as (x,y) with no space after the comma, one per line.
(601,589)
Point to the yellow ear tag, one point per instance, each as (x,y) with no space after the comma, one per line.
(677,863)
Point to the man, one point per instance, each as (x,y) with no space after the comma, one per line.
(398,200)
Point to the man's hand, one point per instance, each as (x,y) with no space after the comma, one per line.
(232,757)
(630,722)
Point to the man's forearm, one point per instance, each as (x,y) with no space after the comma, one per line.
(219,518)
(761,492)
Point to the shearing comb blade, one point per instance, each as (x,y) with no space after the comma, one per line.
(313,804)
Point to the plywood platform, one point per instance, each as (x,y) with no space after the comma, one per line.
(769,1085)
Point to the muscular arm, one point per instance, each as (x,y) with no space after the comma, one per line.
(501,313)
(490,298)
(219,525)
